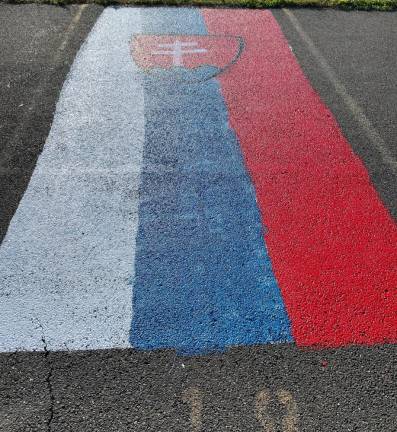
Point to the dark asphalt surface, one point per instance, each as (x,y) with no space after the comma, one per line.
(351,389)
(361,49)
(345,390)
(38,45)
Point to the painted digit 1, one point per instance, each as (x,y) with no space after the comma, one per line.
(261,405)
(193,397)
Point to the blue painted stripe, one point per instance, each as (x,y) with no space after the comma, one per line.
(203,278)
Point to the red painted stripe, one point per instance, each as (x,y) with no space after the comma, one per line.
(332,243)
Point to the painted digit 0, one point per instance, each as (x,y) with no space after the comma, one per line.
(289,421)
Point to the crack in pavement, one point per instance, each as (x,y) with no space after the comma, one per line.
(48,378)
(49,386)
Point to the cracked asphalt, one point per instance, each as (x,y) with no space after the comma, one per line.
(118,390)
(260,388)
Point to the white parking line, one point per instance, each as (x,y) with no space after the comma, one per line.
(357,112)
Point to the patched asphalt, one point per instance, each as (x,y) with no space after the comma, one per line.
(272,388)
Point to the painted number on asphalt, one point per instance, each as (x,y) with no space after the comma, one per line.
(194,398)
(289,422)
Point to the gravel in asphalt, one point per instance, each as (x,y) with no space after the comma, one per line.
(268,388)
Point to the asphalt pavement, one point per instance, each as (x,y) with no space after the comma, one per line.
(353,69)
(350,60)
(38,45)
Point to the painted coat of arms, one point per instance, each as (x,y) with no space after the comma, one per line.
(205,55)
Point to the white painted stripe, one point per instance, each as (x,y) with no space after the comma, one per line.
(67,260)
(355,109)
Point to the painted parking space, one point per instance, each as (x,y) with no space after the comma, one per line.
(195,193)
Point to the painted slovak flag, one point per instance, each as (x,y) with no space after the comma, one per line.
(217,212)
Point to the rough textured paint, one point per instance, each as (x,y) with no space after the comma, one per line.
(187,51)
(332,243)
(67,258)
(203,278)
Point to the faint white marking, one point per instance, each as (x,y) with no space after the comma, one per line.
(39,91)
(261,409)
(177,52)
(194,398)
(290,420)
(357,112)
(67,33)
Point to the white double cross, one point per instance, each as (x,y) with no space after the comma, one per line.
(177,51)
